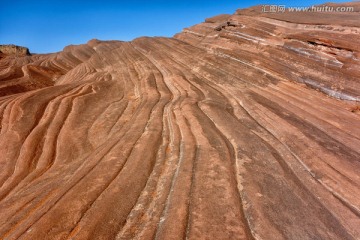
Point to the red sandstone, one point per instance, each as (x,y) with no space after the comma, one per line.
(245,126)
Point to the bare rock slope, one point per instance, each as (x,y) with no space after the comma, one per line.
(245,126)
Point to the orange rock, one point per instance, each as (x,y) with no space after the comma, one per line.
(207,135)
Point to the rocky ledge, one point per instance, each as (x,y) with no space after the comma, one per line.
(14,50)
(245,126)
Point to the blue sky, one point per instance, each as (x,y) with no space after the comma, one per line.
(48,26)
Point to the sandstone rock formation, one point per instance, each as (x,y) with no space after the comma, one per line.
(250,130)
(14,50)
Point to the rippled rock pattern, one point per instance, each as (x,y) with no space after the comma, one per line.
(245,126)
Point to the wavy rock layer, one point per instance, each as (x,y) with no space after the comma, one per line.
(242,127)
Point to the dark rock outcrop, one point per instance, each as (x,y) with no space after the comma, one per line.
(11,49)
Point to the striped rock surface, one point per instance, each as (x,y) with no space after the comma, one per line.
(246,126)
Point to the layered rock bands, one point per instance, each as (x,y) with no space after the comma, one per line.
(245,126)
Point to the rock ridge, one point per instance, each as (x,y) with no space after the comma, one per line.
(11,49)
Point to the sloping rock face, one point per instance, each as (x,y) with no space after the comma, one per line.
(245,126)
